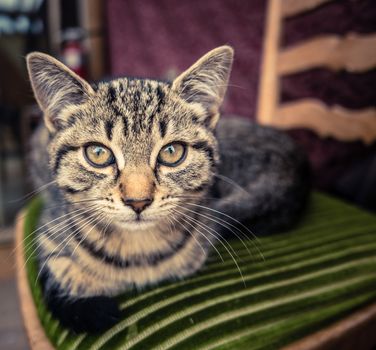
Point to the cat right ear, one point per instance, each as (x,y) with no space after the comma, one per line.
(55,88)
(205,82)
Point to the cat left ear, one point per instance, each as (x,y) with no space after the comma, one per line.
(205,83)
(55,88)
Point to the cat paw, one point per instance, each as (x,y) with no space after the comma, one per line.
(91,315)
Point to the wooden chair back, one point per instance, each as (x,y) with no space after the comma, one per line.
(352,52)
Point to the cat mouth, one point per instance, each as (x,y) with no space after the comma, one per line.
(138,222)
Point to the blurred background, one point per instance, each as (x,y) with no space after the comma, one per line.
(104,39)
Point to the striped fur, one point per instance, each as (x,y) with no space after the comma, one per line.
(92,244)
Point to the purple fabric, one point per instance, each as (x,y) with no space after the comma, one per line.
(149,38)
(354,91)
(331,159)
(336,17)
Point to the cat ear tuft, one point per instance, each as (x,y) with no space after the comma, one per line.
(55,87)
(205,82)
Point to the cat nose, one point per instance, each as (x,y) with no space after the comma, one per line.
(138,205)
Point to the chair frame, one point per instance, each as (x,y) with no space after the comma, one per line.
(34,330)
(353,53)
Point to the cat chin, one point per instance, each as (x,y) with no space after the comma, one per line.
(136,225)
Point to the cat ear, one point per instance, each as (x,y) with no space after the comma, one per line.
(205,82)
(55,87)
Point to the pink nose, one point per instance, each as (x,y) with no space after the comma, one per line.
(138,205)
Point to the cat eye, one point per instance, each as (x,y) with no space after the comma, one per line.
(98,156)
(172,154)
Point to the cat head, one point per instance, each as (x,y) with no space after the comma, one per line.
(134,149)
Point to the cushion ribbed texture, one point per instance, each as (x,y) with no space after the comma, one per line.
(304,280)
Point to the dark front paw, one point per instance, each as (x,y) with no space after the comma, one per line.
(93,314)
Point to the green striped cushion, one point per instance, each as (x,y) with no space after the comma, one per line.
(304,280)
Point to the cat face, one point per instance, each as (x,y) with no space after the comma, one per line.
(136,149)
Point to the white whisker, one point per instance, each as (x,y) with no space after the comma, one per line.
(228,216)
(33,233)
(226,225)
(232,182)
(224,245)
(56,233)
(33,193)
(216,234)
(192,235)
(65,241)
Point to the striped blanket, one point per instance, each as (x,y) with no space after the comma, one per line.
(289,285)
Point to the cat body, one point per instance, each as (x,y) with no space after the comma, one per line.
(140,178)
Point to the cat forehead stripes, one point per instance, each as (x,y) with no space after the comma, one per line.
(136,101)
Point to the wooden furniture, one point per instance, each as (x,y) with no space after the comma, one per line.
(35,333)
(352,52)
(353,332)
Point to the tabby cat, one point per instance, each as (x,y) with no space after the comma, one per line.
(139,177)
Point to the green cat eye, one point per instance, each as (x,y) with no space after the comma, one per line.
(98,156)
(172,154)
